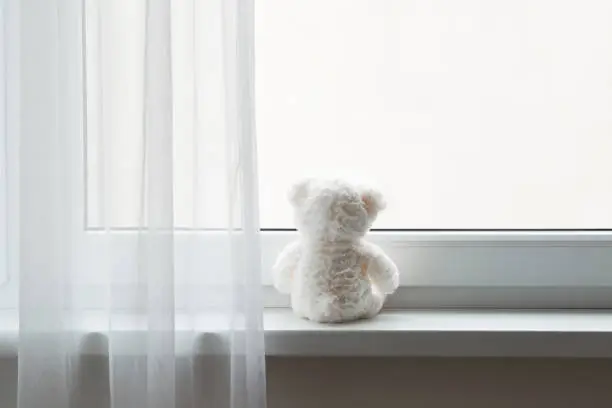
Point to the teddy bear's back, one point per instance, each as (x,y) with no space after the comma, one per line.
(331,283)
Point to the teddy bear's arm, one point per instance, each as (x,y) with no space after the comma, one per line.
(285,266)
(381,269)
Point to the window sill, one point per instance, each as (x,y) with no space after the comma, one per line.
(446,333)
(432,333)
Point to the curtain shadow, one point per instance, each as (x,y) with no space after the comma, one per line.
(91,385)
(212,370)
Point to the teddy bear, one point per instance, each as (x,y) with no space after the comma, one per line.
(331,272)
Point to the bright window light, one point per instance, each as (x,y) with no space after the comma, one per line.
(467,114)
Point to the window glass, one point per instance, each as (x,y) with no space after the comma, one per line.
(466,114)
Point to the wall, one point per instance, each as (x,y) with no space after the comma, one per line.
(439,383)
(413,383)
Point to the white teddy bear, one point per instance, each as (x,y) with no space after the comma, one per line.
(331,272)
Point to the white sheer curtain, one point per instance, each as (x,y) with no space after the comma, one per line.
(132,202)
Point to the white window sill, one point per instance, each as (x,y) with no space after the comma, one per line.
(446,333)
(439,333)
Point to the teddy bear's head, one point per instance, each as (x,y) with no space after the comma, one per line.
(334,210)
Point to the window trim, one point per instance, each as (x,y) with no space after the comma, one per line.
(517,270)
(503,269)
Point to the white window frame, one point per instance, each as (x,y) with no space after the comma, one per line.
(4,48)
(521,270)
(496,269)
(9,91)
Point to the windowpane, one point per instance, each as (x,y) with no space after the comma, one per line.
(465,113)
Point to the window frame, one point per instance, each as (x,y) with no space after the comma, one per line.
(496,269)
(438,269)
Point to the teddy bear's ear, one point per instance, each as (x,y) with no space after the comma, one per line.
(299,192)
(373,201)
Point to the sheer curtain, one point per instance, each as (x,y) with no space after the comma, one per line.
(132,203)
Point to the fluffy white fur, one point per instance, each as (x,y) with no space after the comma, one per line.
(331,272)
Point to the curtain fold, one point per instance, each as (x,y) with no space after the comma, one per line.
(137,233)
